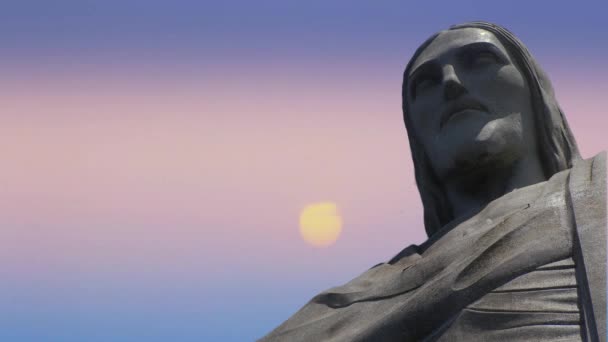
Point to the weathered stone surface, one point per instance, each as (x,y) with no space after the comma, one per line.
(516,219)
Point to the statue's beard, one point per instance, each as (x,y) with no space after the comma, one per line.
(479,145)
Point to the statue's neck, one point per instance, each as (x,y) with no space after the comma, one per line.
(470,192)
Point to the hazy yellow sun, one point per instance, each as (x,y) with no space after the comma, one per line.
(320,224)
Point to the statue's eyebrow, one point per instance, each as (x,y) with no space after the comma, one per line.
(460,51)
(466,50)
(432,65)
(426,67)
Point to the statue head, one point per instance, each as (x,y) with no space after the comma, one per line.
(475,99)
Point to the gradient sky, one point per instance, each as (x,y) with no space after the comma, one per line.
(155,155)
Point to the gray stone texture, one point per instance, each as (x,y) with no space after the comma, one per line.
(516,218)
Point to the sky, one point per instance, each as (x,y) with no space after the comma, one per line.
(156,155)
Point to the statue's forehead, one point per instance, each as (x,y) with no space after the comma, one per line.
(450,40)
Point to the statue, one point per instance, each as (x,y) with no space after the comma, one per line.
(516,219)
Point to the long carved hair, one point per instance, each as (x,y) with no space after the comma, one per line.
(556,144)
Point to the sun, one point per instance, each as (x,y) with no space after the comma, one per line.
(320,224)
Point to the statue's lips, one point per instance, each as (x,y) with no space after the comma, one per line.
(460,106)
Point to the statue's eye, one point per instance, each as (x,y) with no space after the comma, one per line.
(483,58)
(422,84)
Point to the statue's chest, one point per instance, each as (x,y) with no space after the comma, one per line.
(539,304)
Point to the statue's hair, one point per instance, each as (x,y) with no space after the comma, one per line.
(556,145)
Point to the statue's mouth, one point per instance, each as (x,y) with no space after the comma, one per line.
(459,106)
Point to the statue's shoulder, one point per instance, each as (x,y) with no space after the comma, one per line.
(589,172)
(587,189)
(599,166)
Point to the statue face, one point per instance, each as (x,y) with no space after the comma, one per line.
(469,104)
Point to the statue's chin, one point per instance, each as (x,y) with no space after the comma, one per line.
(485,146)
(484,156)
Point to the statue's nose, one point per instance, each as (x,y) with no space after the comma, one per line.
(452,87)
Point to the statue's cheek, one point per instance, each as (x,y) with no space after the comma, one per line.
(509,77)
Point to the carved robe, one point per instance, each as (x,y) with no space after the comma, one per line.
(529,267)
